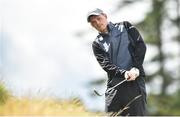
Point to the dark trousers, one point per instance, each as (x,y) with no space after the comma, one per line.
(123,97)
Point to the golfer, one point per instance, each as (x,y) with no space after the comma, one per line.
(120,51)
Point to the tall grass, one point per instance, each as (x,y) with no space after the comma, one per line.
(27,106)
(10,105)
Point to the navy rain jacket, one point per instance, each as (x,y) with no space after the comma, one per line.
(118,51)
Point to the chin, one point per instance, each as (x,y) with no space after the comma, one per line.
(103,31)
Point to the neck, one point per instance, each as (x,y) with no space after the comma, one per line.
(105,31)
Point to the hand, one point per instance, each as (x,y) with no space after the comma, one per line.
(127,75)
(132,74)
(135,71)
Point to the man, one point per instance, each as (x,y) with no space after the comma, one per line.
(120,50)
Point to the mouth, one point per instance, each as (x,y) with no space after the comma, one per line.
(100,27)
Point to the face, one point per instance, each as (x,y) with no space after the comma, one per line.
(99,22)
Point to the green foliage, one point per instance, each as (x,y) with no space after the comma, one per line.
(153,29)
(4,94)
(164,105)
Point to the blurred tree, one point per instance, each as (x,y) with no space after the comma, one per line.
(176,22)
(164,105)
(152,28)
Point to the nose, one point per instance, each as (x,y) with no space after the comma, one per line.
(97,22)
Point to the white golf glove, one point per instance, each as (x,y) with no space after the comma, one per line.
(132,74)
(135,71)
(126,75)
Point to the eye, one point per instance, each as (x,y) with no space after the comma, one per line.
(99,18)
(93,22)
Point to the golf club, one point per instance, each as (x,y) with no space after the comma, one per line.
(96,92)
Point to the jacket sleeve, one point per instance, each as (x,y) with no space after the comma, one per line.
(103,60)
(139,45)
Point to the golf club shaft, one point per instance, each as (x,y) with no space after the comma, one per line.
(97,93)
(117,85)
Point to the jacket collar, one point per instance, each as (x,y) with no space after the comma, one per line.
(110,26)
